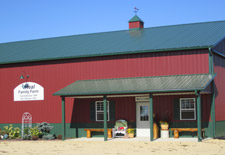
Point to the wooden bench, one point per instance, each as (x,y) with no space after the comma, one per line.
(109,131)
(177,130)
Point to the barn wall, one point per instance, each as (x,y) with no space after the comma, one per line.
(54,75)
(78,116)
(219,69)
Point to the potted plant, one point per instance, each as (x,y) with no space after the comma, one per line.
(164,125)
(130,132)
(3,134)
(35,133)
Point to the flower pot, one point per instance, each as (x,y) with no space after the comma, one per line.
(131,135)
(164,126)
(35,137)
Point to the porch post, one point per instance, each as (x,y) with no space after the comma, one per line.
(199,116)
(151,116)
(105,117)
(63,118)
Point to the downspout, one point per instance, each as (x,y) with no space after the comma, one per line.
(199,115)
(211,71)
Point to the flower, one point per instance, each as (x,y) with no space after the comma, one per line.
(163,122)
(130,130)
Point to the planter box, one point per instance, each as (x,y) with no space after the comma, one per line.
(164,126)
(131,135)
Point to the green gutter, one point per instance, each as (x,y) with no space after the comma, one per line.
(210,61)
(130,92)
(108,54)
(213,115)
(213,111)
(199,115)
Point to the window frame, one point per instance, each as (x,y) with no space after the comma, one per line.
(182,110)
(144,112)
(96,110)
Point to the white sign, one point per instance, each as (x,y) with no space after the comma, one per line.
(28,91)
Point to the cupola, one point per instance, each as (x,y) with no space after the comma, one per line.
(136,23)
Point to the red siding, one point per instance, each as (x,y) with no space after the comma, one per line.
(136,25)
(54,75)
(219,69)
(163,107)
(125,108)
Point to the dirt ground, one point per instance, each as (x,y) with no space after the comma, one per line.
(207,147)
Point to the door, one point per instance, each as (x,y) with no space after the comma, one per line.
(143,122)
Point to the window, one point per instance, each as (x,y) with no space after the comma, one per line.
(144,113)
(187,109)
(100,111)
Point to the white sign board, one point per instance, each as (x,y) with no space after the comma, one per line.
(28,91)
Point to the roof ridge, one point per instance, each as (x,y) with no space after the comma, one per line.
(111,32)
(188,24)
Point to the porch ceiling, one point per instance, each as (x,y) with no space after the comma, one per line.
(156,84)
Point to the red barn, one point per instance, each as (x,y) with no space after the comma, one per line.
(171,73)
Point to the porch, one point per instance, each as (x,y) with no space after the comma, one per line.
(155,89)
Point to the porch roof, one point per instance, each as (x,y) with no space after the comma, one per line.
(175,83)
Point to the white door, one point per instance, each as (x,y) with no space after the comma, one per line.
(143,122)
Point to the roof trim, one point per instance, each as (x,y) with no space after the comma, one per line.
(110,54)
(135,19)
(218,53)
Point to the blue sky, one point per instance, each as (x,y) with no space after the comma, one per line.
(34,19)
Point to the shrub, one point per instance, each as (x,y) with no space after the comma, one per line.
(45,127)
(48,137)
(26,137)
(35,131)
(12,132)
(26,130)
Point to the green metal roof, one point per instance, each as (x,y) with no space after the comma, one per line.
(155,84)
(166,38)
(135,19)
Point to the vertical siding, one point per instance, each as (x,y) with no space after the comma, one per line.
(125,108)
(135,25)
(164,110)
(219,69)
(54,75)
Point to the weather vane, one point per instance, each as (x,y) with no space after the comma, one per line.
(136,10)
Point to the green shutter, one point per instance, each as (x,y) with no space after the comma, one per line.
(112,110)
(176,109)
(93,112)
